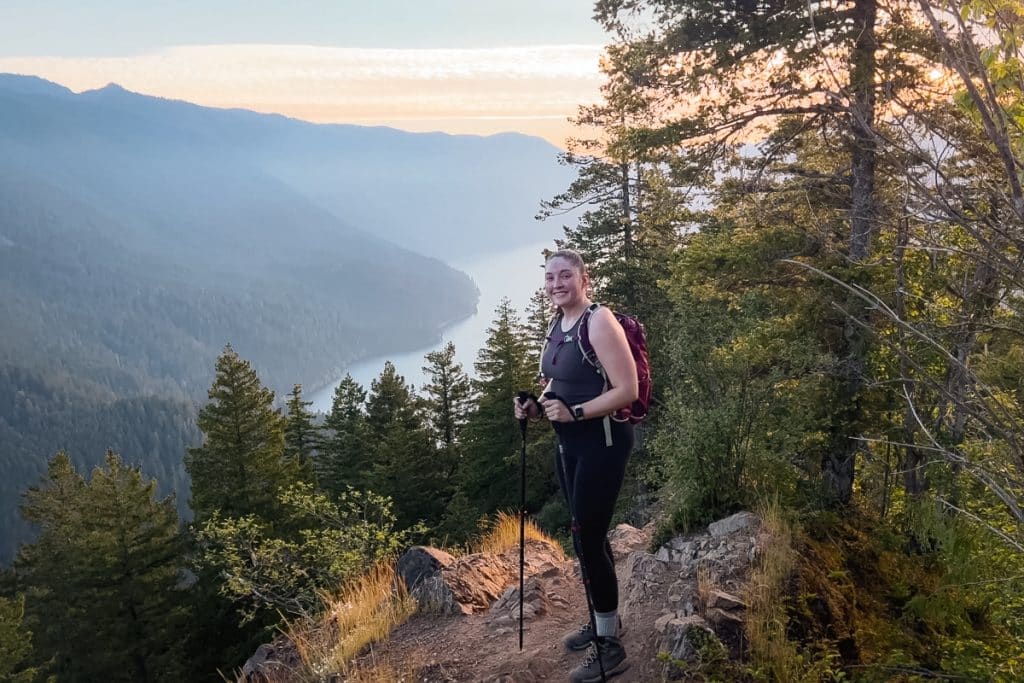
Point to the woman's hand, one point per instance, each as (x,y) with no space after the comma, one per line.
(556,410)
(529,410)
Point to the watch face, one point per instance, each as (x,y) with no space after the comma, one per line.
(577,411)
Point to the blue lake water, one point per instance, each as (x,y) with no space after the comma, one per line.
(514,274)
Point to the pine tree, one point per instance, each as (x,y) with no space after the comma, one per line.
(405,466)
(345,458)
(446,399)
(503,369)
(15,642)
(102,579)
(538,320)
(837,73)
(301,436)
(241,464)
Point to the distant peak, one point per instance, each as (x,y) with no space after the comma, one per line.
(109,88)
(31,84)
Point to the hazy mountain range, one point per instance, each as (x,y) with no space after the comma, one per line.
(139,235)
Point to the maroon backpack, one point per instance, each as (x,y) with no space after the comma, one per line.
(637,338)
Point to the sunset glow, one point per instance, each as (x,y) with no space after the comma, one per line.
(481,91)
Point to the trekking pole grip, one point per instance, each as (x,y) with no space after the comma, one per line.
(524,398)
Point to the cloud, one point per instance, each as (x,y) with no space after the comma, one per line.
(492,87)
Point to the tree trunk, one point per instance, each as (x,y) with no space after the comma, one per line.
(840,461)
(627,214)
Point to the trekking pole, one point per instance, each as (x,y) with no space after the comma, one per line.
(577,546)
(524,398)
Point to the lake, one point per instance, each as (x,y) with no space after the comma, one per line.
(514,274)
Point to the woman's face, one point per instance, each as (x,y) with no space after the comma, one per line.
(563,283)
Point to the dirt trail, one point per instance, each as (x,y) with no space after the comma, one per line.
(485,646)
(694,581)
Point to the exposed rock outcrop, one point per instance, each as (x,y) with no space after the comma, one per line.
(689,586)
(421,562)
(472,583)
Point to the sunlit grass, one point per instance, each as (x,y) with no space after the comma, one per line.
(705,584)
(770,649)
(375,604)
(362,614)
(504,534)
(773,654)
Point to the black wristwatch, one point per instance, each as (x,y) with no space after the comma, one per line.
(577,411)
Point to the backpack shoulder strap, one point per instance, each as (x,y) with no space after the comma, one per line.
(583,337)
(587,349)
(544,347)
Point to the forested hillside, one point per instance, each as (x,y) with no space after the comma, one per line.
(448,196)
(138,236)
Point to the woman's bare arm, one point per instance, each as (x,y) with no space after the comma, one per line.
(612,349)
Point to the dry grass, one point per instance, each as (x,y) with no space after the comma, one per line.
(364,613)
(504,534)
(370,608)
(382,672)
(770,649)
(705,584)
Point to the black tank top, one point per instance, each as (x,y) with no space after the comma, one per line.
(572,376)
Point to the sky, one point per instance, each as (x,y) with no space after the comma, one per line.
(460,66)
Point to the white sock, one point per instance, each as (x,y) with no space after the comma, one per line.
(607,623)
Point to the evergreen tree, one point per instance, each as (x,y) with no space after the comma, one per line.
(345,458)
(240,465)
(446,399)
(461,519)
(15,643)
(697,48)
(301,436)
(405,466)
(538,320)
(503,367)
(391,402)
(102,580)
(238,471)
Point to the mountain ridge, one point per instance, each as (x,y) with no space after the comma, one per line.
(139,235)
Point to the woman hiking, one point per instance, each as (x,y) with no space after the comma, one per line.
(591,460)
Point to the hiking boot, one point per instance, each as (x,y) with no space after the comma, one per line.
(613,659)
(581,638)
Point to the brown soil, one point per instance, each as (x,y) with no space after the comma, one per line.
(485,646)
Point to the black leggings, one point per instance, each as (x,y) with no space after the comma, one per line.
(591,480)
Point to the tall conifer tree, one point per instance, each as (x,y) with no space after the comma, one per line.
(503,369)
(345,459)
(538,319)
(102,579)
(241,464)
(405,466)
(301,436)
(447,397)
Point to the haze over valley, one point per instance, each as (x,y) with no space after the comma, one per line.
(138,236)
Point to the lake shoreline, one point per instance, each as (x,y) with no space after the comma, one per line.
(436,340)
(498,276)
